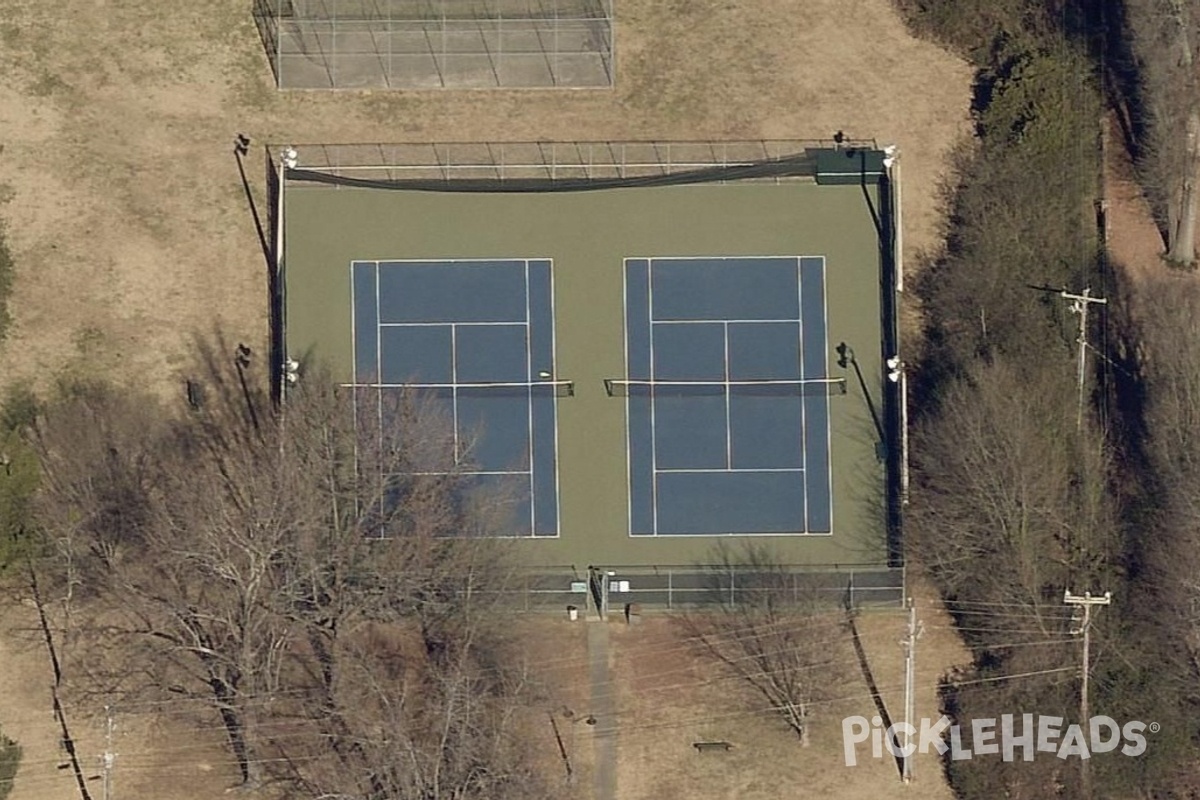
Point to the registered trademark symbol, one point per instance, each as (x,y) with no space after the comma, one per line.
(1155,727)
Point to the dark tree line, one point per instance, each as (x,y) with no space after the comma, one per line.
(1014,500)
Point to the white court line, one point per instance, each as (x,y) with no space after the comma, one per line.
(553,322)
(653,435)
(454,384)
(473,472)
(514,324)
(803,405)
(727,391)
(788,257)
(437,262)
(463,385)
(726,384)
(628,427)
(736,471)
(828,465)
(379,394)
(529,404)
(727,321)
(354,377)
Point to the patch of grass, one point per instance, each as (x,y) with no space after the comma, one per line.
(10,35)
(46,85)
(88,340)
(19,409)
(10,759)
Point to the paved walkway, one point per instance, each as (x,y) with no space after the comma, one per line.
(604,708)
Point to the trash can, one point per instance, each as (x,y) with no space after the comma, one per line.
(572,613)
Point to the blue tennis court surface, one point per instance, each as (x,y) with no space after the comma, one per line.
(476,337)
(728,406)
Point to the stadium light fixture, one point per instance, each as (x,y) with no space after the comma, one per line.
(845,355)
(291,370)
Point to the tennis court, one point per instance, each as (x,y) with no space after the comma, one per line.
(639,353)
(728,396)
(477,338)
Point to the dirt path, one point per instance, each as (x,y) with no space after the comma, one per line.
(1135,244)
(604,707)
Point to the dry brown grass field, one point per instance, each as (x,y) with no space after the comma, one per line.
(131,237)
(125,210)
(669,699)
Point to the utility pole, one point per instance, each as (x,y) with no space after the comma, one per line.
(1086,601)
(915,629)
(109,757)
(1079,305)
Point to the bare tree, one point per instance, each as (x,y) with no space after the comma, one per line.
(174,533)
(1012,501)
(1170,355)
(254,557)
(780,639)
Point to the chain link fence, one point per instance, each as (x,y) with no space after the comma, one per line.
(689,586)
(431,44)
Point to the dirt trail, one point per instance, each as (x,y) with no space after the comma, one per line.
(1135,244)
(604,707)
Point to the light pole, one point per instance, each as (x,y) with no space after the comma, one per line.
(898,374)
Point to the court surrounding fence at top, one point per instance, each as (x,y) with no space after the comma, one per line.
(432,44)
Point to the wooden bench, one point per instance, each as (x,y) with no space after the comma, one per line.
(702,747)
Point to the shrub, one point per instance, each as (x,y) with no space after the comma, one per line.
(6,281)
(10,759)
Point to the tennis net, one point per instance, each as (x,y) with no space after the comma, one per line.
(748,388)
(497,389)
